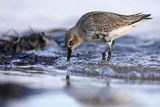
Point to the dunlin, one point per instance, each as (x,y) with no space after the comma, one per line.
(101,26)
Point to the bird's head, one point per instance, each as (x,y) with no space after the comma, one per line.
(72,40)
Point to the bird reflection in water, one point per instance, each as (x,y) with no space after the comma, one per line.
(90,95)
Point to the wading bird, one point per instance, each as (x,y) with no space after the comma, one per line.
(103,27)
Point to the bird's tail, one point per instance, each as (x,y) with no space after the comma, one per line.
(138,17)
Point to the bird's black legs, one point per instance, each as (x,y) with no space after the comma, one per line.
(108,51)
(109,54)
(113,42)
(104,55)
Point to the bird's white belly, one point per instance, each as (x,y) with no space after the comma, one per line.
(123,30)
(120,32)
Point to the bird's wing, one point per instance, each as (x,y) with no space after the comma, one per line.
(137,17)
(106,22)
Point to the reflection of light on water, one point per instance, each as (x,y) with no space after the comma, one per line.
(46,100)
(91,92)
(148,99)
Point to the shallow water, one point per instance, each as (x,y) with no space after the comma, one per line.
(51,89)
(130,79)
(139,59)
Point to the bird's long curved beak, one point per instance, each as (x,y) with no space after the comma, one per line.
(69,54)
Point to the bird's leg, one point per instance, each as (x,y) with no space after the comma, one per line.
(113,42)
(104,55)
(107,51)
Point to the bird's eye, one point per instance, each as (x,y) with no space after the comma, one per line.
(70,43)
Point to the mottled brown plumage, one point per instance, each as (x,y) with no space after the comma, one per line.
(106,21)
(101,26)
